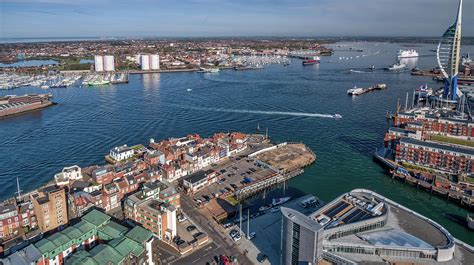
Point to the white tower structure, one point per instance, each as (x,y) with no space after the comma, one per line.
(99,63)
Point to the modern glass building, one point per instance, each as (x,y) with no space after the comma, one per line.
(301,238)
(362,226)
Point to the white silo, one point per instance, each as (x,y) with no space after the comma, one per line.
(109,63)
(145,62)
(99,63)
(155,62)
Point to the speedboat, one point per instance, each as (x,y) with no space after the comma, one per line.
(337,116)
(407,54)
(279,201)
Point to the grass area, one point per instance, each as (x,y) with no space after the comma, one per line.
(137,147)
(412,167)
(232,200)
(451,140)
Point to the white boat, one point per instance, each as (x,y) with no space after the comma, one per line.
(189,89)
(355,91)
(407,54)
(265,207)
(279,201)
(209,70)
(337,116)
(44,87)
(397,66)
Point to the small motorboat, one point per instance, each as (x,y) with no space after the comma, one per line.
(265,208)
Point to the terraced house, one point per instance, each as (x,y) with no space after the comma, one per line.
(95,239)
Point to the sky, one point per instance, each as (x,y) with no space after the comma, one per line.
(209,18)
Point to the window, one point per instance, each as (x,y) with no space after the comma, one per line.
(295,246)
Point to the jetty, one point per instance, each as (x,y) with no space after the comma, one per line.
(359,91)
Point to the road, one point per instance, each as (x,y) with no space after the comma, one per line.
(222,244)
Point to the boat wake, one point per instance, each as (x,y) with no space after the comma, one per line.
(264,112)
(357,71)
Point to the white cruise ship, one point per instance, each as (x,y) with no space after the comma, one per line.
(407,54)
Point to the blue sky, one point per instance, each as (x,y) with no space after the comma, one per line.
(97,18)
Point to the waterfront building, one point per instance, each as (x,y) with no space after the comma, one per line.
(448,56)
(95,239)
(9,220)
(121,153)
(301,238)
(50,208)
(430,124)
(10,105)
(444,158)
(68,174)
(104,63)
(362,226)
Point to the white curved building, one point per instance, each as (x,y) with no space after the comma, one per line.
(363,226)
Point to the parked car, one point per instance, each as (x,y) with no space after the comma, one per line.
(190,228)
(233,232)
(227,225)
(181,218)
(237,237)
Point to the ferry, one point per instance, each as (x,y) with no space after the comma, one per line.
(279,201)
(397,66)
(314,60)
(407,54)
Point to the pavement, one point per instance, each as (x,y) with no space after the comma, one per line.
(221,243)
(268,233)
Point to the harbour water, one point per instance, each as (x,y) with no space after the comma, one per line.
(28,63)
(293,102)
